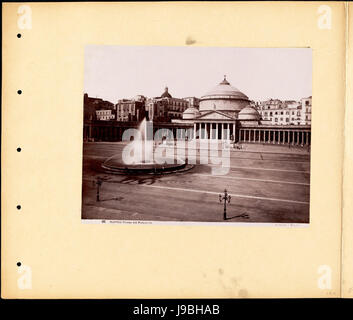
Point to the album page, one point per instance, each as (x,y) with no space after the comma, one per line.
(175,150)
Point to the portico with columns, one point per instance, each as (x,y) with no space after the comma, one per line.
(215,125)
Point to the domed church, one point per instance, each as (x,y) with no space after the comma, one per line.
(221,110)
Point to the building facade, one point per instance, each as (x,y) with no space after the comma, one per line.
(105,115)
(91,105)
(131,110)
(165,108)
(289,112)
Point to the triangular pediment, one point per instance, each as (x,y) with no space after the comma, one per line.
(215,115)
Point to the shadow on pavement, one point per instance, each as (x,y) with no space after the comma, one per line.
(243,215)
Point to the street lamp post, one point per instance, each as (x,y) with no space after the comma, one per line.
(226,198)
(99,183)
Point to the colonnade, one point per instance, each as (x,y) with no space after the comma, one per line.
(209,130)
(275,136)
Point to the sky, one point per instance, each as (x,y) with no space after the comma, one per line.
(122,72)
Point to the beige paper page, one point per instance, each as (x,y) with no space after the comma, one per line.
(63,258)
(347,222)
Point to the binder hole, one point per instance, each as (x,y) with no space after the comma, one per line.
(19,35)
(18,207)
(18,264)
(19,91)
(19,149)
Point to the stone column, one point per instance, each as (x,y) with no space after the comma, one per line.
(216,131)
(234,137)
(194,133)
(222,132)
(211,131)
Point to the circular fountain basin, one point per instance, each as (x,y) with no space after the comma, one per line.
(117,166)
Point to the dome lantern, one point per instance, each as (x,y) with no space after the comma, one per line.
(166,94)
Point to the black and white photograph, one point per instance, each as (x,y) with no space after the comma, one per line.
(196,135)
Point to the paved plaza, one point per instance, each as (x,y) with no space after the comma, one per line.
(267,183)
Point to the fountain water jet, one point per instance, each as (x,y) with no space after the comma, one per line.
(139,156)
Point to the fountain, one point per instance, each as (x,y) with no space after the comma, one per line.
(140,156)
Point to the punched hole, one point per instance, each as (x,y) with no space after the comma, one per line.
(19,91)
(18,264)
(19,149)
(19,35)
(18,207)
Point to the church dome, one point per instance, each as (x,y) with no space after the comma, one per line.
(166,94)
(225,90)
(249,113)
(191,113)
(224,97)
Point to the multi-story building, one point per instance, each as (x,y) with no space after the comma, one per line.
(105,115)
(131,110)
(165,108)
(306,111)
(288,112)
(92,105)
(193,102)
